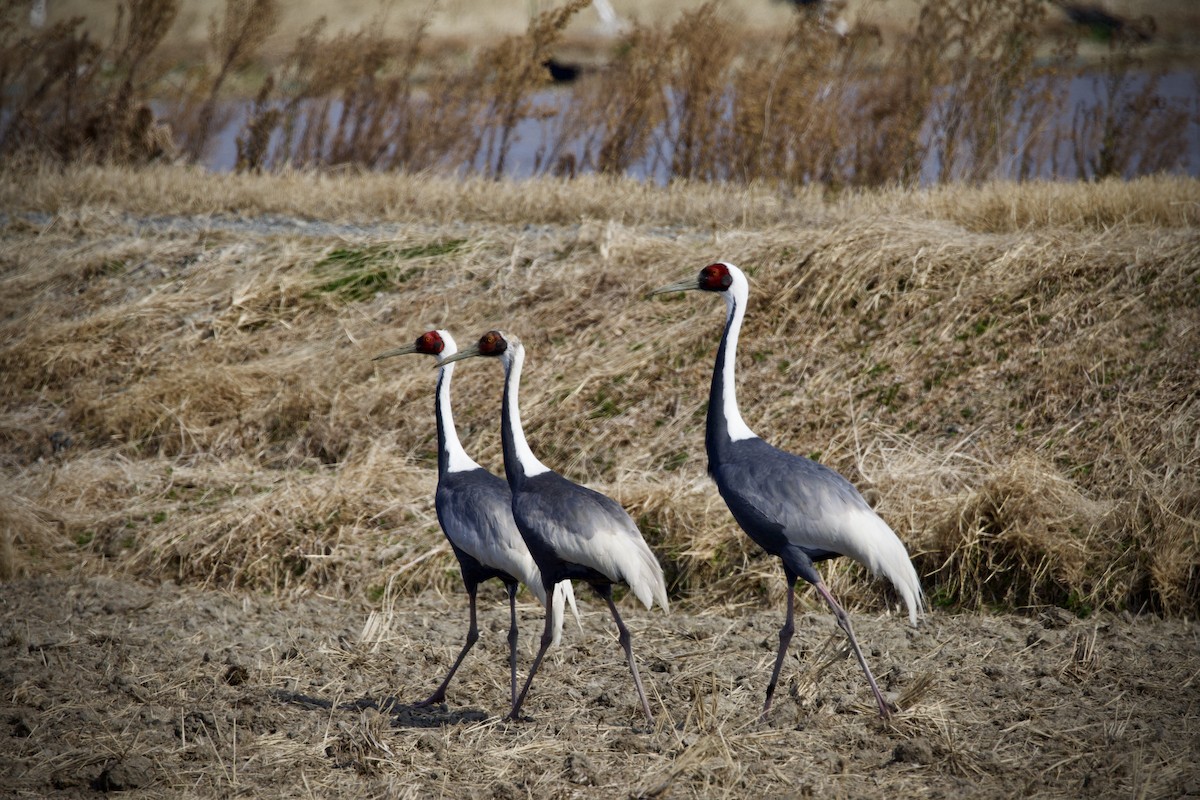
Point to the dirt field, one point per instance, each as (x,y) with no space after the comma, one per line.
(119,685)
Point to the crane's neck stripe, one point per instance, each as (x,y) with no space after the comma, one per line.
(451,455)
(519,460)
(725,382)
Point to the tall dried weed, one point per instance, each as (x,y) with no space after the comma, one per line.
(70,98)
(972,90)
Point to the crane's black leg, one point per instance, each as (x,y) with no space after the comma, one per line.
(547,638)
(626,644)
(439,694)
(843,620)
(512,636)
(785,638)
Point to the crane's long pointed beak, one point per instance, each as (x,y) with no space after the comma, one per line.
(466,352)
(399,351)
(680,286)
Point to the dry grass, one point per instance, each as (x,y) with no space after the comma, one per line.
(1008,371)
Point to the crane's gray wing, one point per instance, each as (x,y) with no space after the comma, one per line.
(780,498)
(581,526)
(784,501)
(565,515)
(475,512)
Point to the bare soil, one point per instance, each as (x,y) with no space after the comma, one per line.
(107,683)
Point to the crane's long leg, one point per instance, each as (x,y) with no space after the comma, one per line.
(439,694)
(512,636)
(843,620)
(547,638)
(785,638)
(626,644)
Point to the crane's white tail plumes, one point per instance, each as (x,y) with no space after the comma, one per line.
(877,547)
(899,570)
(641,570)
(564,594)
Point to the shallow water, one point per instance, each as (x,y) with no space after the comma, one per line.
(528,156)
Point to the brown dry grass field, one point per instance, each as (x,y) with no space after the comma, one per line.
(223,575)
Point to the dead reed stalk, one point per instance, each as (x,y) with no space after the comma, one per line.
(971,90)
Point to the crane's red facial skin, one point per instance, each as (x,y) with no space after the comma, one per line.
(492,344)
(430,343)
(715,278)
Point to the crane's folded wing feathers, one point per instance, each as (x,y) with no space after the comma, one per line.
(582,526)
(812,506)
(476,513)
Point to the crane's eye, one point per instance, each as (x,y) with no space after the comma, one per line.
(715,278)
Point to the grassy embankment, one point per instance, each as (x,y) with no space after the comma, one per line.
(1009,372)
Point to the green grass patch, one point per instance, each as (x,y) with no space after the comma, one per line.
(358,273)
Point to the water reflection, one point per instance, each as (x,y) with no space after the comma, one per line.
(538,147)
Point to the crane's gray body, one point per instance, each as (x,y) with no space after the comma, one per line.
(474,509)
(781,500)
(563,523)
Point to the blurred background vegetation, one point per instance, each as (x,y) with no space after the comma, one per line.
(839,94)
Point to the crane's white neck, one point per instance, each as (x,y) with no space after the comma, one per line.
(451,455)
(736,297)
(515,447)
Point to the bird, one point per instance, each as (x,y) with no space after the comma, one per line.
(572,531)
(1106,26)
(474,509)
(562,71)
(794,508)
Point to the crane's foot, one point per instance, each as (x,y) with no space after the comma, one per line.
(433,699)
(765,714)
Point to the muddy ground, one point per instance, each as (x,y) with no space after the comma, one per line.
(111,684)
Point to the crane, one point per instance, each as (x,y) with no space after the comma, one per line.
(474,508)
(793,508)
(573,532)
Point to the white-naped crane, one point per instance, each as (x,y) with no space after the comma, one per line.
(573,532)
(794,508)
(474,508)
